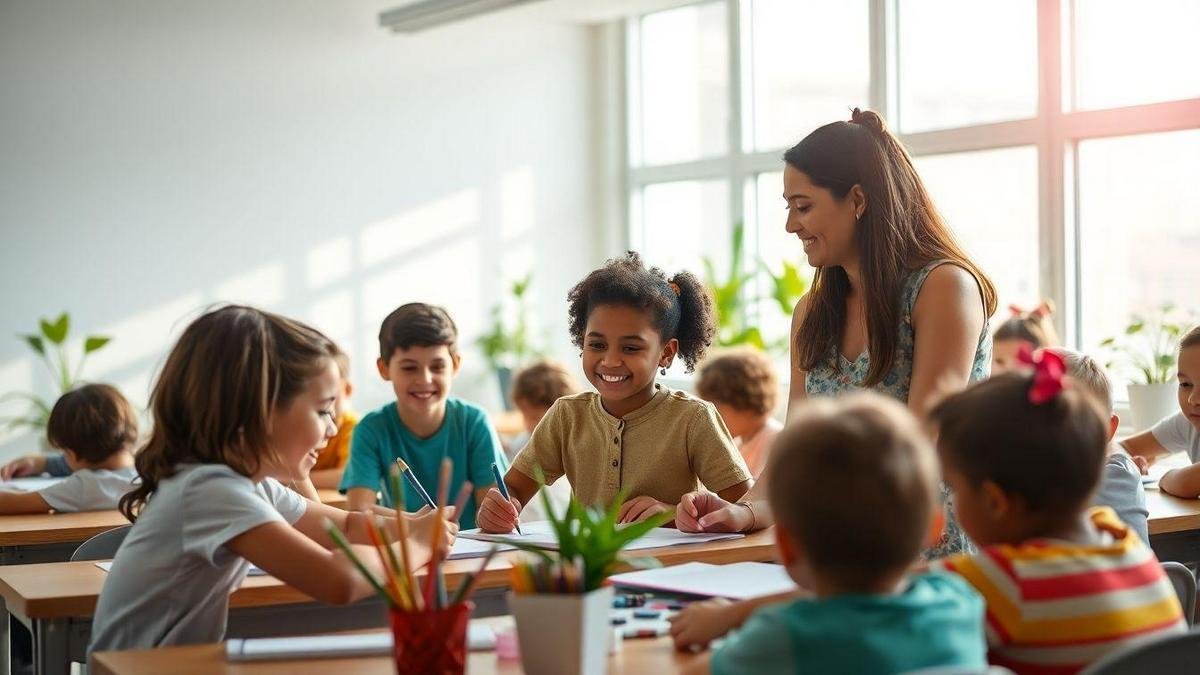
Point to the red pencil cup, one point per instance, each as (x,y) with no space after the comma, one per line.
(432,641)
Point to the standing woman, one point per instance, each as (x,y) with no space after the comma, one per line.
(895,306)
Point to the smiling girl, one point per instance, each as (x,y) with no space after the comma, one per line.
(243,402)
(631,434)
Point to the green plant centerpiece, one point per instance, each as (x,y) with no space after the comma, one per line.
(49,343)
(1148,348)
(505,347)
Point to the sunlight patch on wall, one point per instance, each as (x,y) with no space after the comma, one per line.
(410,231)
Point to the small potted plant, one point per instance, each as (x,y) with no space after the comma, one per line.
(560,599)
(505,348)
(50,346)
(1149,347)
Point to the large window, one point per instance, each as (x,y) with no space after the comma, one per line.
(1060,139)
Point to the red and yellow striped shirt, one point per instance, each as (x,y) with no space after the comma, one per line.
(1054,607)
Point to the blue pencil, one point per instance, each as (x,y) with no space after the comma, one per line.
(416,485)
(504,491)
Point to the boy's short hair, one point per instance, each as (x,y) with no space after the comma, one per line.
(93,421)
(417,325)
(1049,454)
(855,481)
(1089,375)
(1191,338)
(543,382)
(743,379)
(341,359)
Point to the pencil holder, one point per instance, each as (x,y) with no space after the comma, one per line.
(431,641)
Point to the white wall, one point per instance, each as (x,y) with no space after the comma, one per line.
(159,156)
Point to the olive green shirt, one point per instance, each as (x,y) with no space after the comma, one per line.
(663,449)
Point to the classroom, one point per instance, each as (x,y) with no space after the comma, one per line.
(599,336)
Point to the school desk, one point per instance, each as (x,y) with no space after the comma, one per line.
(656,655)
(1174,526)
(56,600)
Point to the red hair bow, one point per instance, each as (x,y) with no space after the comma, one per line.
(1049,371)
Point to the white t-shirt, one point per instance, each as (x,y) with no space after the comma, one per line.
(1176,434)
(171,579)
(90,489)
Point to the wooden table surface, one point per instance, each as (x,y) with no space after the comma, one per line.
(635,656)
(1171,514)
(71,589)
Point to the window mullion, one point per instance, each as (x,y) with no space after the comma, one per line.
(1052,244)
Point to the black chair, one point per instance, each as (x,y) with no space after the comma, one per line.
(104,546)
(1185,587)
(1176,654)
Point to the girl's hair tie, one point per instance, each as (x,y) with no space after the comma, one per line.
(674,287)
(1049,373)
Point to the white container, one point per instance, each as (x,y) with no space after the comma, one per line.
(563,634)
(1149,403)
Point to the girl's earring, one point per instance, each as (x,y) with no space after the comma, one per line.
(663,371)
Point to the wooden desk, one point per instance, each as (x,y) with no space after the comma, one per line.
(57,600)
(1174,526)
(636,656)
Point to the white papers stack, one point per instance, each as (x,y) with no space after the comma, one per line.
(736,581)
(480,637)
(539,533)
(29,484)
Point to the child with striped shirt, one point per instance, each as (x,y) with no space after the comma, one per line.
(1064,584)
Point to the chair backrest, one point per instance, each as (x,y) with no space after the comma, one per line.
(102,546)
(1175,654)
(1185,587)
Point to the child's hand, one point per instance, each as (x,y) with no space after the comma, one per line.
(1141,463)
(498,515)
(706,512)
(421,524)
(641,508)
(25,466)
(702,622)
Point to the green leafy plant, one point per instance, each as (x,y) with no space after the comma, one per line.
(504,347)
(50,346)
(592,535)
(1148,345)
(787,287)
(730,296)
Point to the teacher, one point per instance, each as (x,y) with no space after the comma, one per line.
(895,306)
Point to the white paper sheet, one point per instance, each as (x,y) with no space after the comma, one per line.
(540,534)
(255,571)
(29,484)
(480,637)
(473,548)
(736,581)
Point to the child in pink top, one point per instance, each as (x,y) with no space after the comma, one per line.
(741,384)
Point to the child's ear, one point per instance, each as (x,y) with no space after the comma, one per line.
(789,552)
(669,351)
(382,367)
(347,388)
(456,358)
(1113,422)
(997,501)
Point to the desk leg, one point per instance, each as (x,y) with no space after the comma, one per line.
(50,654)
(5,649)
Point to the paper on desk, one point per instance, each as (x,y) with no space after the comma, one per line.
(255,571)
(474,548)
(736,581)
(540,533)
(29,484)
(480,637)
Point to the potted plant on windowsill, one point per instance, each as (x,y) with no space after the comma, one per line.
(50,346)
(505,348)
(560,600)
(1149,347)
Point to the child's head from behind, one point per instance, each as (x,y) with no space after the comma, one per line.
(245,388)
(418,354)
(741,384)
(1089,375)
(853,485)
(537,386)
(1033,328)
(1019,469)
(91,424)
(1189,376)
(631,320)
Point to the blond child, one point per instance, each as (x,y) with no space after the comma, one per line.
(1179,432)
(418,355)
(1031,328)
(632,435)
(534,389)
(835,468)
(96,429)
(1064,584)
(327,472)
(243,403)
(741,384)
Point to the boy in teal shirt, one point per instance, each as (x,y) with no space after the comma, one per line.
(418,355)
(853,485)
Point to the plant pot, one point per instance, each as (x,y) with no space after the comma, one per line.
(563,634)
(1149,403)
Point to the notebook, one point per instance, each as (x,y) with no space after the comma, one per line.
(736,581)
(539,533)
(480,637)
